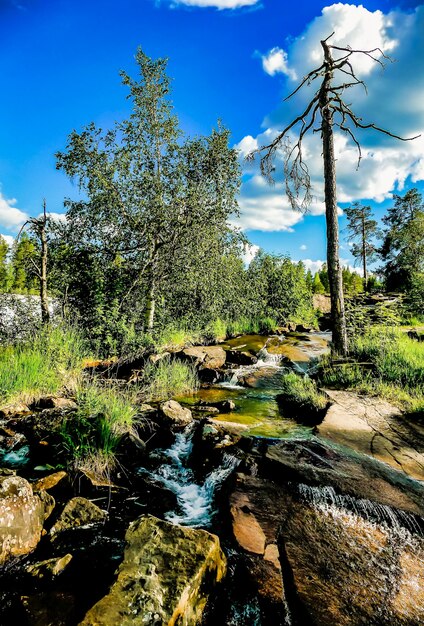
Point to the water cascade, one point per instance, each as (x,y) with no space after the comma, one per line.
(326,499)
(195,501)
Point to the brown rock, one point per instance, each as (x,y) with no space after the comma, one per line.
(350,572)
(316,462)
(165,578)
(208,357)
(54,402)
(78,512)
(54,482)
(175,413)
(50,568)
(14,409)
(376,428)
(22,515)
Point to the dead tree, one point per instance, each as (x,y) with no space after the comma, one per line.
(326,110)
(38,225)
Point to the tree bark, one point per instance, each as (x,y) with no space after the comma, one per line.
(364,252)
(45,313)
(149,316)
(333,258)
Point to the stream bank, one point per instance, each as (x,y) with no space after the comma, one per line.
(275,493)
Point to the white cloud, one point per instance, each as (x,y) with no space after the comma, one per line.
(394,102)
(56,217)
(314,266)
(276,62)
(9,239)
(10,216)
(249,253)
(218,4)
(303,247)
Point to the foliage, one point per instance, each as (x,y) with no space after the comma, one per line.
(402,251)
(362,230)
(156,206)
(4,268)
(279,289)
(24,254)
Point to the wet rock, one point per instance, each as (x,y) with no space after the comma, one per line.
(316,462)
(132,446)
(241,357)
(342,569)
(165,579)
(260,377)
(216,436)
(300,328)
(376,428)
(305,412)
(176,414)
(54,402)
(257,507)
(209,376)
(78,512)
(53,608)
(206,408)
(14,409)
(50,568)
(56,483)
(22,516)
(205,357)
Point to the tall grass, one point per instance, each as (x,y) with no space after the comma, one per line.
(387,363)
(92,434)
(44,364)
(168,378)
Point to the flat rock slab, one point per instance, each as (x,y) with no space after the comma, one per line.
(376,428)
(347,571)
(164,579)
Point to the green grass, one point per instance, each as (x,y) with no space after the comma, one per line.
(45,364)
(302,397)
(386,363)
(92,434)
(168,378)
(175,337)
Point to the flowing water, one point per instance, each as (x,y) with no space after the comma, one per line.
(195,500)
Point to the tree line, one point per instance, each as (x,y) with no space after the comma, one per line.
(148,240)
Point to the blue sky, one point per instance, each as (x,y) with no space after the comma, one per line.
(59,63)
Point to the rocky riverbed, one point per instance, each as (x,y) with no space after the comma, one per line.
(228,514)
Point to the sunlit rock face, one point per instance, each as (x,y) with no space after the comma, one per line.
(165,578)
(376,428)
(346,570)
(22,516)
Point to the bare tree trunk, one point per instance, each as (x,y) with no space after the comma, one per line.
(333,259)
(45,314)
(149,316)
(364,252)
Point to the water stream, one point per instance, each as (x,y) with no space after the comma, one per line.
(195,500)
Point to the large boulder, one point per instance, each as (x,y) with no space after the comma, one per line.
(22,515)
(205,357)
(164,579)
(317,462)
(376,428)
(176,414)
(348,571)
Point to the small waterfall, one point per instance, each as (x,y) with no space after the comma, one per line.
(326,499)
(195,500)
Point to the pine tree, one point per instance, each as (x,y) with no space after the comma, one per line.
(362,229)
